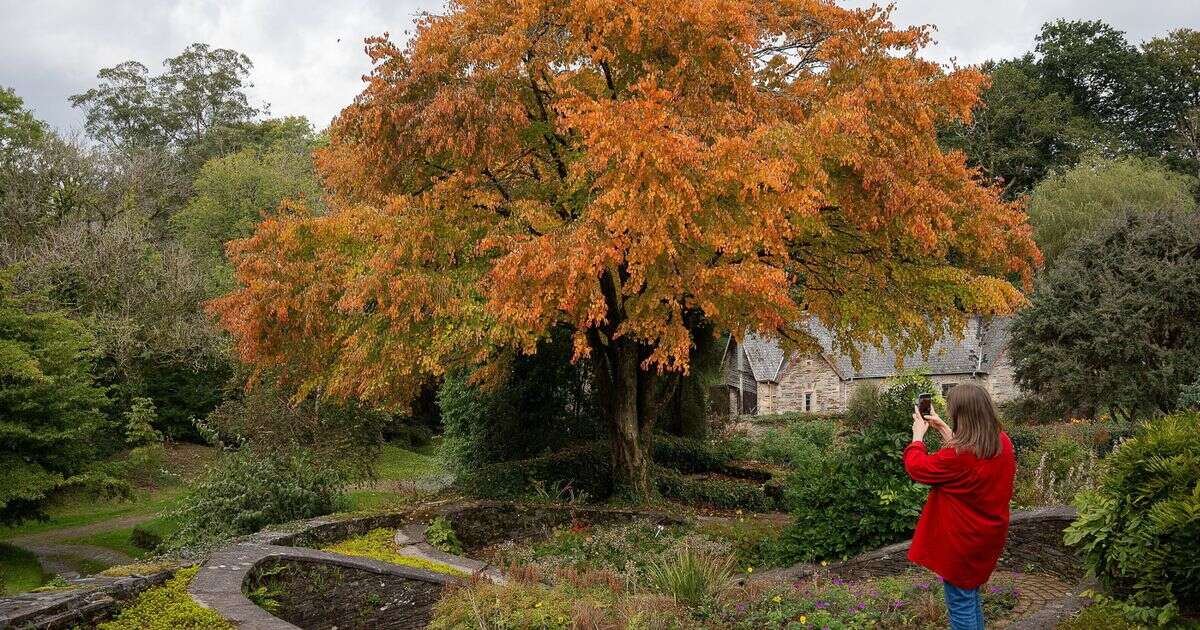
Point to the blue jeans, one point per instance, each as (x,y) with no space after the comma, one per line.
(964,606)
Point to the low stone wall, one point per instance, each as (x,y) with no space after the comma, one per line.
(83,603)
(218,584)
(320,596)
(1035,539)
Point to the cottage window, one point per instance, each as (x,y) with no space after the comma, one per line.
(946,387)
(808,401)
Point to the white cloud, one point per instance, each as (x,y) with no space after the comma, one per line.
(308,55)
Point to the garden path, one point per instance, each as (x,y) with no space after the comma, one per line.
(1038,590)
(73,560)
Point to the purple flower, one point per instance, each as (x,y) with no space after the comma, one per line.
(899,603)
(924,586)
(741,608)
(1016,592)
(940,580)
(993,589)
(874,593)
(861,606)
(838,581)
(822,605)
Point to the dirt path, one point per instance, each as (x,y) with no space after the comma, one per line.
(71,560)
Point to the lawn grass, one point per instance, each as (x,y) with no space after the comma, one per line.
(115,539)
(396,464)
(19,570)
(400,464)
(79,510)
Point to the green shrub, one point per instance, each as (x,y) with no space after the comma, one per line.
(691,455)
(410,435)
(1140,530)
(50,405)
(168,607)
(1026,409)
(801,445)
(860,497)
(247,490)
(691,577)
(1189,397)
(139,423)
(440,534)
(716,492)
(583,467)
(267,418)
(1025,441)
(863,406)
(544,405)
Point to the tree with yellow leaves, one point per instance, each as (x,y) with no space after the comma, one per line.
(634,172)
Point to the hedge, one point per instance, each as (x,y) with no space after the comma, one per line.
(720,493)
(586,467)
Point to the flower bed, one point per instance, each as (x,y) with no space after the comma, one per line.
(642,574)
(570,598)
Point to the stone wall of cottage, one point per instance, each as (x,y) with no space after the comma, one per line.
(808,374)
(831,394)
(1001,381)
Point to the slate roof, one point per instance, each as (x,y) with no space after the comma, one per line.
(764,355)
(981,346)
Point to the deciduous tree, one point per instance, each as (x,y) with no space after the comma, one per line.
(631,171)
(1068,206)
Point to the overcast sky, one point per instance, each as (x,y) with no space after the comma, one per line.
(308,54)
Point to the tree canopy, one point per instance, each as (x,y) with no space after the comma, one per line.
(1112,324)
(1070,205)
(628,171)
(50,408)
(200,90)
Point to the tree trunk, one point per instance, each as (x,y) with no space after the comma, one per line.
(629,426)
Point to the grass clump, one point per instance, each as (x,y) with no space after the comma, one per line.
(168,607)
(691,577)
(379,545)
(19,570)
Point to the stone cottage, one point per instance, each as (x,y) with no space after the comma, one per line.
(761,378)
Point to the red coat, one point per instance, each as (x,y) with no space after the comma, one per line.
(962,529)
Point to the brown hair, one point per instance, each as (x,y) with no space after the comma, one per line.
(976,427)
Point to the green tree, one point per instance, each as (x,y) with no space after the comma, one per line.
(201,89)
(1023,129)
(18,127)
(233,193)
(1066,206)
(50,405)
(1174,116)
(1112,323)
(1100,71)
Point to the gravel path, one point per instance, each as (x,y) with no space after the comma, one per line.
(71,560)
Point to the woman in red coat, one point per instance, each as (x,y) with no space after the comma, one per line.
(962,529)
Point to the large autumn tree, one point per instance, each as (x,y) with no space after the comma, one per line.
(633,172)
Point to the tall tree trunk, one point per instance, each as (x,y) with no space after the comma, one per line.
(629,427)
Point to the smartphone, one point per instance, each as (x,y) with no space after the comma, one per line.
(925,403)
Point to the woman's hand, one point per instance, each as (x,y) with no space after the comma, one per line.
(920,426)
(935,421)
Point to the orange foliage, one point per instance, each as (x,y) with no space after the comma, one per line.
(622,168)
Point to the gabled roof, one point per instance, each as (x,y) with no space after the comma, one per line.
(983,342)
(764,355)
